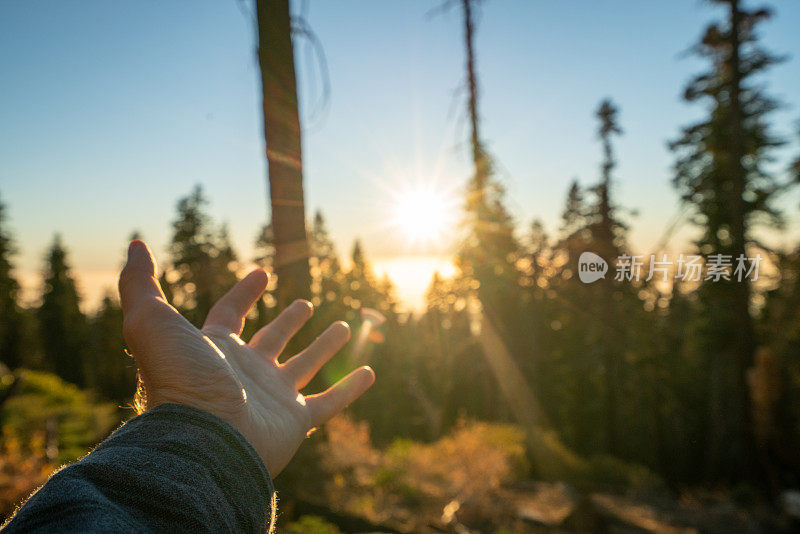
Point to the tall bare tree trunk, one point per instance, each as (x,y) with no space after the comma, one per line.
(478,154)
(284,152)
(491,246)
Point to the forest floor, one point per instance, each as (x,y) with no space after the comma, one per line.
(535,507)
(556,507)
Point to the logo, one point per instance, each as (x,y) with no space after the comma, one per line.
(591,267)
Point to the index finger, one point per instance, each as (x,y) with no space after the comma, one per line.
(229,312)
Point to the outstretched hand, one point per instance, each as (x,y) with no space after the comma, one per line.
(214,370)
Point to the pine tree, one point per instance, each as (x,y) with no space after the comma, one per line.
(112,372)
(573,375)
(608,232)
(325,268)
(574,220)
(265,307)
(11,316)
(452,364)
(607,235)
(62,325)
(538,253)
(720,172)
(265,249)
(360,286)
(490,250)
(202,257)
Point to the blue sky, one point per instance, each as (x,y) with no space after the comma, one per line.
(111,111)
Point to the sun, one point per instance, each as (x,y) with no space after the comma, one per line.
(424,214)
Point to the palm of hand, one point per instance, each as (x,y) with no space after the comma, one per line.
(214,370)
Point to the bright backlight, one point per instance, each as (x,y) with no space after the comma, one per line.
(423,214)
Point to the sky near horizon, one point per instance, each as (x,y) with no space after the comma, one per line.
(110,112)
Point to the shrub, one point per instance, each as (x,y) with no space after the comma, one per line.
(22,471)
(68,417)
(311,524)
(412,482)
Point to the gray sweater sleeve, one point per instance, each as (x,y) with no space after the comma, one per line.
(171,469)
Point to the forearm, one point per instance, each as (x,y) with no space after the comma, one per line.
(173,468)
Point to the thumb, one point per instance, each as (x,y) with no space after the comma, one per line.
(137,281)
